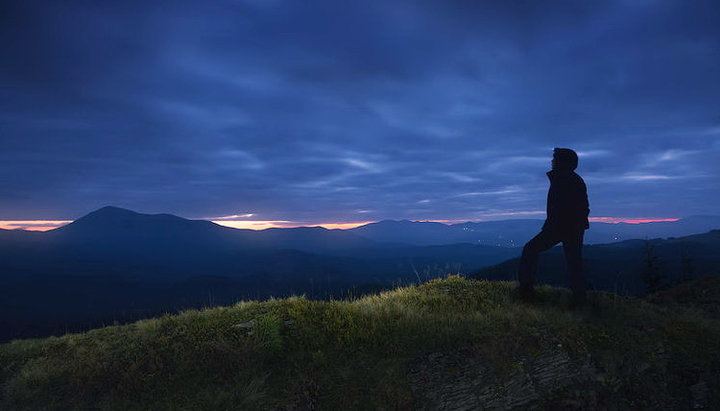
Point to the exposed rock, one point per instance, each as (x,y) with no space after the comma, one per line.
(461,382)
(246,324)
(699,393)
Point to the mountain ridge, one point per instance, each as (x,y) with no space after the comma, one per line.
(53,280)
(506,233)
(516,232)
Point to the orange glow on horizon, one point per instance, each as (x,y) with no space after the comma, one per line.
(262,225)
(32,225)
(253,224)
(45,225)
(344,226)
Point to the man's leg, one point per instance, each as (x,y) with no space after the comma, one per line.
(572,245)
(528,262)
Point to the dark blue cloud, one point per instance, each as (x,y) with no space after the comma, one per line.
(340,111)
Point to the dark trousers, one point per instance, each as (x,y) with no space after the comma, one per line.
(547,239)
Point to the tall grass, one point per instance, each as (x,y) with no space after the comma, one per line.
(343,354)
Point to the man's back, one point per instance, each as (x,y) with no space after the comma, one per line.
(567,202)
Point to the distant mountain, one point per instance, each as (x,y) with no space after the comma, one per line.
(118,225)
(116,241)
(411,232)
(515,233)
(507,233)
(604,232)
(119,264)
(618,266)
(115,222)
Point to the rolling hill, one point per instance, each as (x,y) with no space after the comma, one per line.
(617,266)
(118,265)
(115,241)
(515,233)
(448,344)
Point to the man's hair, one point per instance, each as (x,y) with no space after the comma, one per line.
(565,158)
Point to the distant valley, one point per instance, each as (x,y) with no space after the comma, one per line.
(515,233)
(118,265)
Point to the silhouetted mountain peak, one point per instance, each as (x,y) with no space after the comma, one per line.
(402,223)
(109,212)
(110,221)
(116,214)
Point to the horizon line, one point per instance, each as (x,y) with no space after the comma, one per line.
(258,225)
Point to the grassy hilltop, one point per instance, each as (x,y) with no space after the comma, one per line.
(448,344)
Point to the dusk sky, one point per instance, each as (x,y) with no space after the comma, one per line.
(334,111)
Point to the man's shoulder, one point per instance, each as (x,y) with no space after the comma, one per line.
(576,178)
(571,179)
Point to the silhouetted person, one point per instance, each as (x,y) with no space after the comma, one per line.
(567,220)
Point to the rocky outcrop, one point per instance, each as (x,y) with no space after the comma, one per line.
(460,381)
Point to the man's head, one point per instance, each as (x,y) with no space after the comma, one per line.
(564,159)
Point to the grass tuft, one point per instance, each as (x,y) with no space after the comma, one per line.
(358,354)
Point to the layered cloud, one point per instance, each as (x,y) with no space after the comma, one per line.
(324,111)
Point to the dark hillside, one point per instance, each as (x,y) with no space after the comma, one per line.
(447,344)
(116,265)
(617,267)
(702,294)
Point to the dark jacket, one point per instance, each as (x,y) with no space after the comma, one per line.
(567,202)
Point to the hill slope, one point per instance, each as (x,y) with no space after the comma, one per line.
(447,344)
(163,247)
(116,264)
(618,266)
